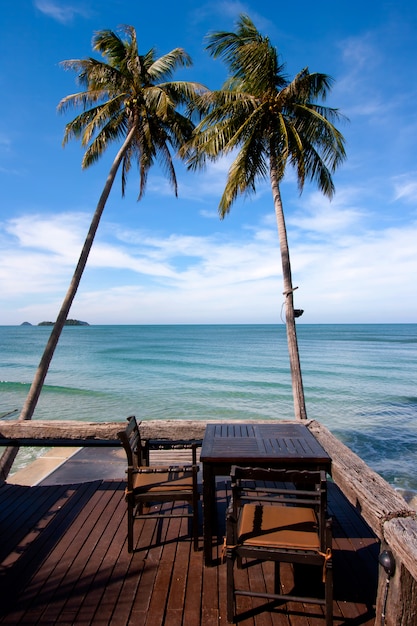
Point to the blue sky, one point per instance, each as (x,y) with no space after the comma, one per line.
(168,260)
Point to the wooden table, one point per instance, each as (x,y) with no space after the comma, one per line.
(278,445)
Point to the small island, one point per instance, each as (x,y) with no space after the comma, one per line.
(67,323)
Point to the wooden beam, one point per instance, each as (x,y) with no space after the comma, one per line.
(401,536)
(40,433)
(68,432)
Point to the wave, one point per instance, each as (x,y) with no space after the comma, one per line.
(6,385)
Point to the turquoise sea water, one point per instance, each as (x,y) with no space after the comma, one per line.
(359,380)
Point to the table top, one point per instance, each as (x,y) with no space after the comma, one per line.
(289,442)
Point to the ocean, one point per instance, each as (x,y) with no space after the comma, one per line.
(359,380)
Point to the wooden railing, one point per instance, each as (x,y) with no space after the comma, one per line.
(384,510)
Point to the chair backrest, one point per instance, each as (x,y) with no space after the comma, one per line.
(131,441)
(137,451)
(307,488)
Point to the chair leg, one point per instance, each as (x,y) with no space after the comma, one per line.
(130,520)
(328,591)
(195,525)
(277,577)
(230,592)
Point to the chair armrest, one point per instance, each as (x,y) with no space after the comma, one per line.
(168,468)
(167,444)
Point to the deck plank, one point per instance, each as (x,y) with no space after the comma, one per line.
(64,560)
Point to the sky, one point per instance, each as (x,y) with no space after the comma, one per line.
(167,260)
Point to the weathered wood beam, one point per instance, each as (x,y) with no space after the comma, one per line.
(41,433)
(172,429)
(401,536)
(41,430)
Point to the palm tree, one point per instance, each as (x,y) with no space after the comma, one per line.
(128,97)
(268,122)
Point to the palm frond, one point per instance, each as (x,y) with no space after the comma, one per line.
(111,46)
(164,67)
(249,165)
(114,130)
(82,100)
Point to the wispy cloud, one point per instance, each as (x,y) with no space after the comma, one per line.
(322,217)
(60,234)
(406,187)
(361,57)
(61,12)
(230,10)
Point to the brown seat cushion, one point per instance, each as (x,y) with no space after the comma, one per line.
(162,481)
(278,526)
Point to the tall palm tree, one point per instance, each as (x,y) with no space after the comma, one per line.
(268,122)
(128,98)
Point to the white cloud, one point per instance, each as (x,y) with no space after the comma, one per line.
(362,57)
(324,217)
(209,182)
(365,277)
(109,256)
(209,214)
(59,11)
(406,187)
(361,53)
(60,234)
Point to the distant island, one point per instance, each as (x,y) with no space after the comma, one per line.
(67,323)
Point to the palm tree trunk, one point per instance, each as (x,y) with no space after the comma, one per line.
(296,376)
(10,453)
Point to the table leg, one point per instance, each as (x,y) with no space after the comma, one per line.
(209,507)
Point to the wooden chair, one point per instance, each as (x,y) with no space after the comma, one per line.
(284,520)
(146,484)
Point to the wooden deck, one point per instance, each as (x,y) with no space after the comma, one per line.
(63,560)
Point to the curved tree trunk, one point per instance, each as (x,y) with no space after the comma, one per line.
(10,453)
(296,376)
